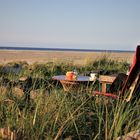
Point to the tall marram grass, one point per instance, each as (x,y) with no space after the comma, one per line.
(52,114)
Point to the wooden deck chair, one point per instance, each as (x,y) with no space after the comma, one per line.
(130,83)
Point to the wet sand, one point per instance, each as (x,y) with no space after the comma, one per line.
(60,56)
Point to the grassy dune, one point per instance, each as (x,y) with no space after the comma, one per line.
(48,113)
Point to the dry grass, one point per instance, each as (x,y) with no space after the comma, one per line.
(47,56)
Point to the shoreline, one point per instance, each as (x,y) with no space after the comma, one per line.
(64,49)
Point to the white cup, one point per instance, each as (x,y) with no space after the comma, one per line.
(93,76)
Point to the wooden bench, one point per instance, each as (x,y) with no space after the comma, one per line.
(106,79)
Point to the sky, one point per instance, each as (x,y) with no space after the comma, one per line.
(81,24)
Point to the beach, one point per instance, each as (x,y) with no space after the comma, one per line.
(76,57)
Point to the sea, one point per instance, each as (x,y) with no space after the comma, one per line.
(62,49)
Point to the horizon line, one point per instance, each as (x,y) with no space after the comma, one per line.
(61,49)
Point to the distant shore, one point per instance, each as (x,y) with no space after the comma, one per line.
(63,49)
(77,57)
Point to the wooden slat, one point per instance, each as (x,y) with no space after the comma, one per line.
(132,89)
(107,78)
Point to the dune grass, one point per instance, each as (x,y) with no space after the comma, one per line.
(52,114)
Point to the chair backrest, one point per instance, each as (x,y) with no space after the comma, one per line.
(118,83)
(134,72)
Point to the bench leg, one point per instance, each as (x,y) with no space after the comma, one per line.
(103,87)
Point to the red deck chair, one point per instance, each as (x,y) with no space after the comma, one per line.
(131,80)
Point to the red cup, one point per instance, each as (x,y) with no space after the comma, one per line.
(69,75)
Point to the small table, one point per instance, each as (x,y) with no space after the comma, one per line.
(72,84)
